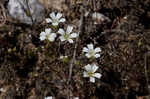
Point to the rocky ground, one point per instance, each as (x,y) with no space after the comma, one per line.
(32,69)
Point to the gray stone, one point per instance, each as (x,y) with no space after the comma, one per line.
(26,11)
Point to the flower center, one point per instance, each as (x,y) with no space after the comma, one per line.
(66,36)
(55,20)
(47,36)
(91,52)
(90,74)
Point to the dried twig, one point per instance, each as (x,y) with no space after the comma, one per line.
(67,2)
(75,49)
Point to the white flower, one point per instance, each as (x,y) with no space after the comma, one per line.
(90,72)
(55,19)
(91,52)
(2,90)
(48,97)
(76,97)
(62,57)
(67,36)
(47,35)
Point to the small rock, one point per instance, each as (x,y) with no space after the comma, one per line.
(99,18)
(26,11)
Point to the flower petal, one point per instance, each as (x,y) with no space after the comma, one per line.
(97,50)
(62,38)
(48,30)
(42,38)
(85,49)
(52,37)
(52,15)
(42,34)
(48,20)
(85,74)
(88,67)
(73,35)
(48,97)
(97,55)
(94,68)
(88,55)
(58,16)
(55,23)
(62,20)
(61,31)
(70,41)
(92,79)
(90,46)
(76,98)
(97,75)
(69,29)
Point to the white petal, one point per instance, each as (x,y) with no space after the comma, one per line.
(85,74)
(55,23)
(88,67)
(59,15)
(42,34)
(61,31)
(97,75)
(97,50)
(48,30)
(69,29)
(2,90)
(70,41)
(52,15)
(94,68)
(62,20)
(92,79)
(85,49)
(48,20)
(88,55)
(73,35)
(48,97)
(52,37)
(76,97)
(62,38)
(90,46)
(42,38)
(97,55)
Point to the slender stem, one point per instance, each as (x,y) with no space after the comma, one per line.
(67,3)
(75,49)
(146,73)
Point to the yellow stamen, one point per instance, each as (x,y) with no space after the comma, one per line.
(91,52)
(90,74)
(66,36)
